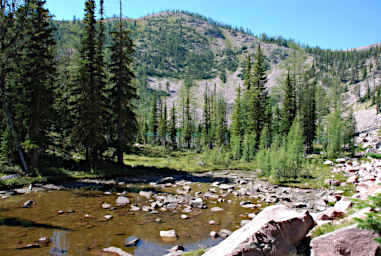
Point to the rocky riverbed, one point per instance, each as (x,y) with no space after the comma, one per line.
(198,209)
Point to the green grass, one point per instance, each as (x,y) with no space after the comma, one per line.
(198,252)
(328,228)
(374,155)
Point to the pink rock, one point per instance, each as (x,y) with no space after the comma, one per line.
(330,214)
(353,179)
(343,205)
(277,229)
(346,241)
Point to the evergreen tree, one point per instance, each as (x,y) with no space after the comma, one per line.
(172,127)
(153,123)
(33,91)
(248,73)
(289,106)
(257,98)
(237,127)
(163,124)
(187,121)
(122,93)
(308,114)
(207,121)
(88,102)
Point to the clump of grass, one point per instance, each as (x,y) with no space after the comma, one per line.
(328,228)
(198,252)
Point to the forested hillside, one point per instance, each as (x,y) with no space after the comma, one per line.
(184,82)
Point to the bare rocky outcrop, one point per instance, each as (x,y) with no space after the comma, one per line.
(346,242)
(277,230)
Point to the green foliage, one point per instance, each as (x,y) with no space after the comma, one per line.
(249,144)
(373,218)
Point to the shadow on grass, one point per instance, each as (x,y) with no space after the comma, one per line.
(17,222)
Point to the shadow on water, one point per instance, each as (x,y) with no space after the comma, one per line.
(17,222)
(147,248)
(60,245)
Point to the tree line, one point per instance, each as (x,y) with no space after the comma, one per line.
(79,104)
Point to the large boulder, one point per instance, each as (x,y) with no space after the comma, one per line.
(275,231)
(346,241)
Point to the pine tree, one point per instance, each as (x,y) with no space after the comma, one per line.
(206,116)
(88,104)
(35,76)
(289,106)
(153,122)
(122,93)
(221,123)
(237,127)
(248,73)
(172,127)
(187,121)
(308,113)
(163,124)
(257,98)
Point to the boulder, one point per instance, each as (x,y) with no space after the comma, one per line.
(275,231)
(166,180)
(346,241)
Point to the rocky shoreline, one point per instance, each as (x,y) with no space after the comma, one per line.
(295,212)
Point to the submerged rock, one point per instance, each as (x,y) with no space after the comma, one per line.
(168,234)
(28,204)
(116,251)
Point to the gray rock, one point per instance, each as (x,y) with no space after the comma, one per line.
(28,204)
(216,209)
(166,180)
(168,234)
(122,201)
(146,194)
(106,206)
(116,251)
(224,233)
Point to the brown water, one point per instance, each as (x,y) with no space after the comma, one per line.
(73,234)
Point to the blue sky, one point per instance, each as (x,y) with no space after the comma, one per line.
(335,24)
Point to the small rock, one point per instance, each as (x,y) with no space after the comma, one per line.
(251,215)
(28,204)
(224,233)
(132,241)
(166,180)
(216,209)
(146,194)
(116,251)
(30,246)
(134,208)
(226,186)
(177,248)
(213,234)
(328,162)
(168,234)
(212,222)
(60,212)
(184,217)
(122,201)
(106,206)
(43,241)
(108,217)
(158,220)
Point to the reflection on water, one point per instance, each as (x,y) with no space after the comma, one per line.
(60,215)
(60,246)
(146,248)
